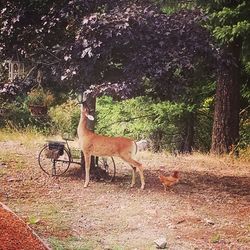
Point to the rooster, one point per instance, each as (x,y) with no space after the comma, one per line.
(168,181)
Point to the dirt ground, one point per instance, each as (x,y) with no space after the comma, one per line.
(208,209)
(15,234)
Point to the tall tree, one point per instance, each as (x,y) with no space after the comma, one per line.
(86,41)
(229,22)
(121,46)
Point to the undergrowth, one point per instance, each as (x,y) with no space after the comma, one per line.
(26,136)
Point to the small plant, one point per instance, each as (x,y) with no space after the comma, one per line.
(32,220)
(38,101)
(215,238)
(39,97)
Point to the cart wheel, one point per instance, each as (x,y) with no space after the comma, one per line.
(107,165)
(53,165)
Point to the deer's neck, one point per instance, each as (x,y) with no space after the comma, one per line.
(82,126)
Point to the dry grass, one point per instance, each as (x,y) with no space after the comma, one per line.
(208,209)
(27,136)
(30,137)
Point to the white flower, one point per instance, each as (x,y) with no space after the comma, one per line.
(87,51)
(67,57)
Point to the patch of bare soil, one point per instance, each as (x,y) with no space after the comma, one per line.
(208,209)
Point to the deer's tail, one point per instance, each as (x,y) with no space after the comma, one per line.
(135,148)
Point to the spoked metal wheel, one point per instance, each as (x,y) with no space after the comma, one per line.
(107,168)
(52,162)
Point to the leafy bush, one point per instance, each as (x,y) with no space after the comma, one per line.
(17,116)
(204,124)
(139,118)
(38,96)
(15,113)
(135,118)
(65,117)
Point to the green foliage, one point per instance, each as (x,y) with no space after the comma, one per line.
(245,116)
(244,134)
(16,116)
(247,68)
(38,96)
(228,20)
(141,117)
(170,6)
(65,117)
(245,92)
(228,33)
(15,112)
(203,126)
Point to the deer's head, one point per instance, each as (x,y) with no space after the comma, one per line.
(85,112)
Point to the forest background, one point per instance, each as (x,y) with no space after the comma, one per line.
(173,72)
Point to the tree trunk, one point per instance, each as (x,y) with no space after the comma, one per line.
(188,136)
(226,115)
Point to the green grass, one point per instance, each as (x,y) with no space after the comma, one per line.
(71,243)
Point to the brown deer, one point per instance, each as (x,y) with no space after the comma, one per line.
(99,145)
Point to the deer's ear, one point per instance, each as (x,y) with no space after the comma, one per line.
(90,117)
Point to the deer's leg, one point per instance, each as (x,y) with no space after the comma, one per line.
(133,177)
(140,168)
(87,158)
(136,165)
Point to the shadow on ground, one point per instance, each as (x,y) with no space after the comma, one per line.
(190,182)
(204,183)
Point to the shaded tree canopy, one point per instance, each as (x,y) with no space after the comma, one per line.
(124,44)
